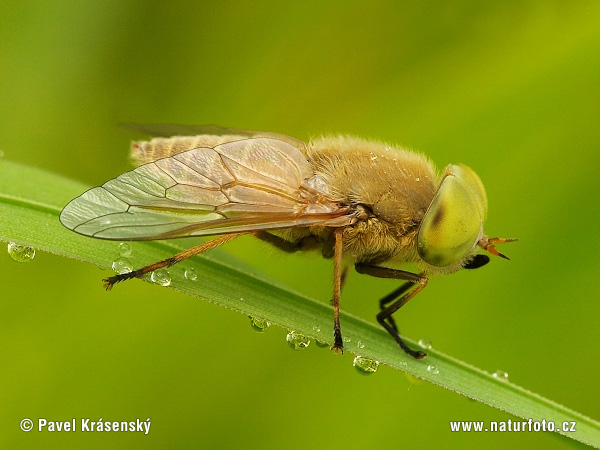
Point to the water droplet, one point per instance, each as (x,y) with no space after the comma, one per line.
(259,324)
(417,179)
(360,344)
(321,344)
(124,250)
(161,276)
(346,340)
(373,156)
(365,366)
(317,329)
(432,369)
(297,340)
(20,253)
(191,274)
(425,343)
(500,375)
(122,265)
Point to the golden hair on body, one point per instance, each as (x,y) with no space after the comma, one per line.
(375,205)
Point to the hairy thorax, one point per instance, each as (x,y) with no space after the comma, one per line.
(392,186)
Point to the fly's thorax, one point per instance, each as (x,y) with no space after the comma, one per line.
(395,185)
(453,224)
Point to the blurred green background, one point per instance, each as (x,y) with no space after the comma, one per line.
(511,89)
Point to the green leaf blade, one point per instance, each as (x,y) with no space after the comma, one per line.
(31,201)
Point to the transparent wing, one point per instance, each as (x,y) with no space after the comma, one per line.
(251,184)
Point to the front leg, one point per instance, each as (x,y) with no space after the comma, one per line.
(399,295)
(383,302)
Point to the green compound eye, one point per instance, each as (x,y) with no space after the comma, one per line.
(454,221)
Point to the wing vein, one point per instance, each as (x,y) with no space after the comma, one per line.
(207,176)
(166,173)
(134,187)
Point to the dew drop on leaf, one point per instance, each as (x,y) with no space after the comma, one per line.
(124,249)
(21,253)
(297,340)
(161,277)
(365,366)
(122,265)
(190,274)
(432,369)
(425,343)
(500,375)
(259,324)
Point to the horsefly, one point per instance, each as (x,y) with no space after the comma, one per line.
(378,206)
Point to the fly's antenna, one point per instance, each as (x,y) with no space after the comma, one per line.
(487,244)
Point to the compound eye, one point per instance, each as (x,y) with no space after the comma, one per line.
(454,221)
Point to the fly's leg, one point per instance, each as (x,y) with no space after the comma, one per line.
(343,278)
(305,243)
(399,297)
(390,298)
(111,281)
(390,324)
(339,274)
(278,242)
(338,343)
